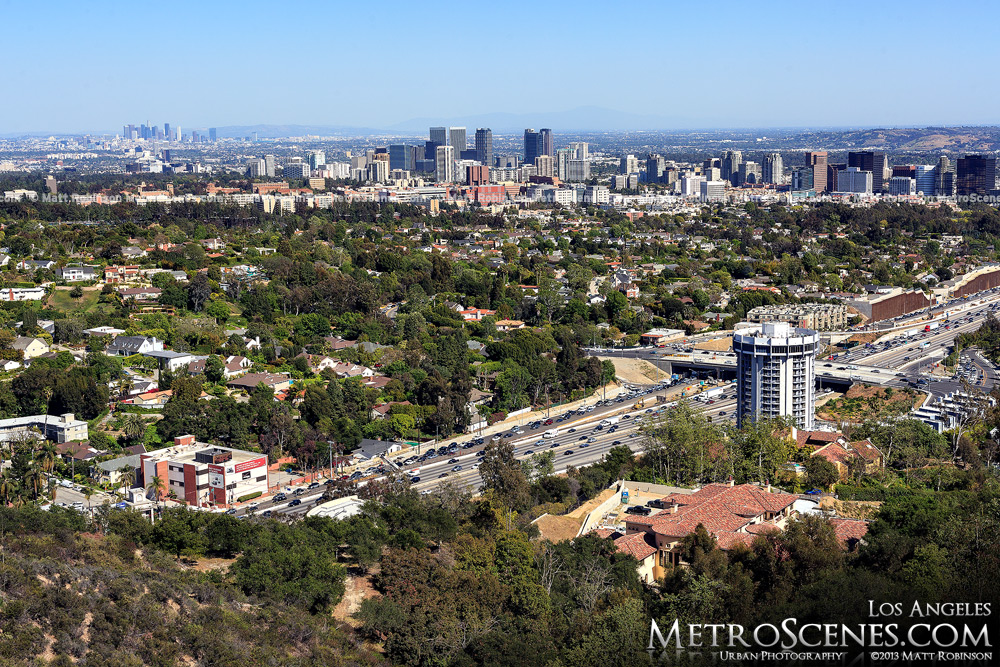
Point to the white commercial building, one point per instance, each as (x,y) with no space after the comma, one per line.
(776,375)
(853,179)
(713,191)
(444,164)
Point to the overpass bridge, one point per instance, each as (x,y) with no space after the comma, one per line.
(722,365)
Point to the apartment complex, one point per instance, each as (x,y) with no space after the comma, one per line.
(58,429)
(818,316)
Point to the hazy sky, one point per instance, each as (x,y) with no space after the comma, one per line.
(94,66)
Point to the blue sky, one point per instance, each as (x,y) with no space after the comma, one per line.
(93,66)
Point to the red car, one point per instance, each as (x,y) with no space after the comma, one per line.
(548,422)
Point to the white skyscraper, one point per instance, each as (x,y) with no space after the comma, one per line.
(444,164)
(775,371)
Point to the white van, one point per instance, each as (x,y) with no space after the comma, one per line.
(551,433)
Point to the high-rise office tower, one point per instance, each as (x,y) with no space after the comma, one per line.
(532,146)
(477,175)
(484,146)
(802,178)
(439,135)
(872,161)
(818,161)
(317,159)
(213,134)
(269,168)
(711,163)
(832,180)
(944,179)
(178,134)
(655,166)
(628,165)
(457,140)
(400,156)
(444,164)
(577,171)
(546,138)
(775,373)
(166,132)
(975,175)
(926,176)
(856,180)
(773,169)
(731,161)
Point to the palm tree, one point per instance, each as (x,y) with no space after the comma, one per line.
(33,480)
(158,486)
(125,386)
(47,455)
(134,427)
(88,493)
(8,490)
(126,477)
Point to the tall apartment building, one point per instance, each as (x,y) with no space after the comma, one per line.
(730,165)
(776,375)
(749,173)
(832,172)
(577,170)
(545,165)
(548,148)
(629,165)
(655,167)
(773,168)
(818,161)
(444,164)
(484,146)
(975,175)
(872,161)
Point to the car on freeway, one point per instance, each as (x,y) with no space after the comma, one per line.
(568,452)
(453,461)
(267,513)
(231,511)
(456,469)
(444,474)
(279,497)
(529,452)
(414,480)
(616,443)
(294,502)
(314,485)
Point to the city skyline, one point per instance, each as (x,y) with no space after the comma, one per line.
(198,83)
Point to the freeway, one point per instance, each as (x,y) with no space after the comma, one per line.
(580,441)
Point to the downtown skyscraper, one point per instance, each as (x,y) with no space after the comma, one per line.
(484,146)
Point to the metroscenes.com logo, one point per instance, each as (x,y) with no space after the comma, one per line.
(942,632)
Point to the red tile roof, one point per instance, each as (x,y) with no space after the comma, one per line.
(849,530)
(636,545)
(718,507)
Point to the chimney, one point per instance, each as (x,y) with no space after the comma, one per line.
(674,507)
(732,481)
(182,440)
(769,486)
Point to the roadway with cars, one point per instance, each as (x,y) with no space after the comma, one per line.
(581,440)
